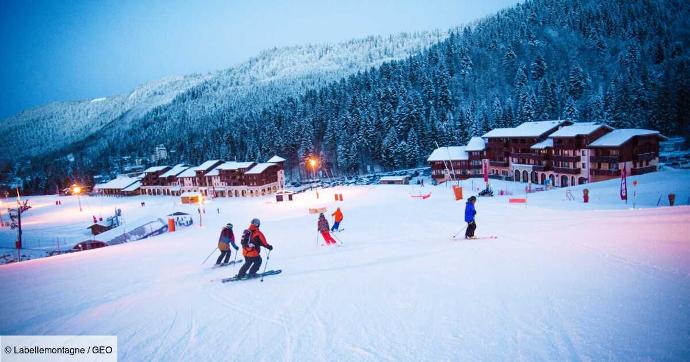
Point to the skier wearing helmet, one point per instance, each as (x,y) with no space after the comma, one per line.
(252,241)
(227,237)
(470,211)
(322,227)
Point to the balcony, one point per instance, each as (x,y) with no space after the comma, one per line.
(541,168)
(599,172)
(607,159)
(564,158)
(499,163)
(567,171)
(642,170)
(645,156)
(522,155)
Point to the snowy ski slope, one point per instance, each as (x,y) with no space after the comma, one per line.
(563,280)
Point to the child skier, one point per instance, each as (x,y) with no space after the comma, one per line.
(252,241)
(226,238)
(338,217)
(323,228)
(469,217)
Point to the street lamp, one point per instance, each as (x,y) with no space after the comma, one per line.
(76,190)
(313,163)
(200,201)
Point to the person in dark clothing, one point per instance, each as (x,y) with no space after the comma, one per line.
(252,241)
(227,237)
(470,212)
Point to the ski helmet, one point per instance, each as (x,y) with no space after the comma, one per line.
(256,222)
(228,225)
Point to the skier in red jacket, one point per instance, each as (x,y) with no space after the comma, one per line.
(324,229)
(252,241)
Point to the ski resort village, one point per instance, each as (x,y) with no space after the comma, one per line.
(351,181)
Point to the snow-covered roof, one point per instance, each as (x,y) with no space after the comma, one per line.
(206,165)
(578,129)
(547,143)
(452,153)
(214,172)
(176,170)
(234,165)
(394,178)
(154,169)
(475,144)
(133,187)
(119,183)
(618,137)
(190,172)
(527,129)
(259,168)
(276,159)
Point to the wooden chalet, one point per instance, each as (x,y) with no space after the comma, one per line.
(635,149)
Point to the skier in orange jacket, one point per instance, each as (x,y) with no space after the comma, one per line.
(338,217)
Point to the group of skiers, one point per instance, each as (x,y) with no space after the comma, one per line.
(323,227)
(252,240)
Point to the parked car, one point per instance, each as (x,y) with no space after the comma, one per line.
(89,244)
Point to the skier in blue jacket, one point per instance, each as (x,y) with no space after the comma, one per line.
(470,211)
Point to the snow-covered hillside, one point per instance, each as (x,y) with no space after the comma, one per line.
(274,72)
(563,280)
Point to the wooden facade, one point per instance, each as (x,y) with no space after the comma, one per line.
(211,179)
(639,155)
(557,153)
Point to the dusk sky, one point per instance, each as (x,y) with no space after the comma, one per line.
(54,50)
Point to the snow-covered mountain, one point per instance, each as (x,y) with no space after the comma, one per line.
(275,72)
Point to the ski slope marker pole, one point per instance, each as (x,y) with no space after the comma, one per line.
(268,257)
(209,255)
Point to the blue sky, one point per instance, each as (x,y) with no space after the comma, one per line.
(71,50)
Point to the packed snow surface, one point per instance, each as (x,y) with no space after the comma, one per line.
(564,280)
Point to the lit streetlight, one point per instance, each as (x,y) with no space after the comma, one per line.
(76,190)
(313,163)
(200,202)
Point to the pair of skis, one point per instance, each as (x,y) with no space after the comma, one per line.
(216,266)
(455,236)
(257,276)
(475,238)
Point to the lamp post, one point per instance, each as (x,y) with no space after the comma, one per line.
(76,190)
(312,163)
(201,200)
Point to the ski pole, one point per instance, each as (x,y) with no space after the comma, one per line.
(236,252)
(268,257)
(209,255)
(456,234)
(317,238)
